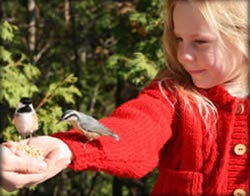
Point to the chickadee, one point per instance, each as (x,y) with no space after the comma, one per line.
(87,125)
(25,117)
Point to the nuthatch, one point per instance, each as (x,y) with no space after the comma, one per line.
(87,125)
(25,117)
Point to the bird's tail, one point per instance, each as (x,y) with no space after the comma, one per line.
(115,136)
(107,131)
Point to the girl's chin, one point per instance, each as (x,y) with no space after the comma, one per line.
(204,85)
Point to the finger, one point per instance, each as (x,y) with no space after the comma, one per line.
(25,165)
(12,181)
(14,144)
(8,144)
(13,147)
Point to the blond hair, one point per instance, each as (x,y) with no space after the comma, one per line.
(228,19)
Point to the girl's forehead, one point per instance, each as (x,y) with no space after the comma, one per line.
(186,11)
(187,19)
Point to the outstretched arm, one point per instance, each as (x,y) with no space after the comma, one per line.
(144,126)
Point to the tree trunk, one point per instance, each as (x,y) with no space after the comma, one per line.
(75,40)
(2,11)
(67,13)
(31,27)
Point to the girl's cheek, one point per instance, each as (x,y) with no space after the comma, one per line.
(207,59)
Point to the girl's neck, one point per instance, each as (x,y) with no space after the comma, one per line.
(238,89)
(239,86)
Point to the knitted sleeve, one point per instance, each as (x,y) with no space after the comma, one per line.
(144,126)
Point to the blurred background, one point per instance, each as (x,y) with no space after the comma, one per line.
(88,55)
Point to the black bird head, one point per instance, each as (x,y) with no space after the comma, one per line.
(24,105)
(69,115)
(25,100)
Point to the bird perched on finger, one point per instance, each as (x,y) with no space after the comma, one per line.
(87,125)
(25,117)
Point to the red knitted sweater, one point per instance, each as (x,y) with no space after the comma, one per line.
(157,130)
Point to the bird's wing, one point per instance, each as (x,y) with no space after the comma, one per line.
(92,125)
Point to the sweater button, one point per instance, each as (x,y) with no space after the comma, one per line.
(240,149)
(240,108)
(239,192)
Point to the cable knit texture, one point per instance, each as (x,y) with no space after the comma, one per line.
(157,130)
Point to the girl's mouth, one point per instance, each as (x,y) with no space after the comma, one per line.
(194,72)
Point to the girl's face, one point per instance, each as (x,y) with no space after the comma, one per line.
(200,52)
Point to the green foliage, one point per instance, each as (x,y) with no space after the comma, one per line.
(17,81)
(64,90)
(138,69)
(17,74)
(7,31)
(6,193)
(138,18)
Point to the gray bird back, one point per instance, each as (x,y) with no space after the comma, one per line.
(92,125)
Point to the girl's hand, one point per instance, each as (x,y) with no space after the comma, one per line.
(18,171)
(24,170)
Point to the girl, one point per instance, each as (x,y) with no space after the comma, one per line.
(190,122)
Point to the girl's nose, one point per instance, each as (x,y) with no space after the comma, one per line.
(185,53)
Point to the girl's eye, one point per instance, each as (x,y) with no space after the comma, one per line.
(178,39)
(201,41)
